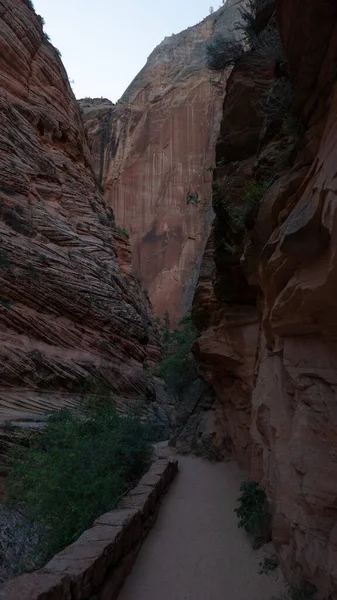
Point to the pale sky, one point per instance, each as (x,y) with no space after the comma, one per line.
(104,43)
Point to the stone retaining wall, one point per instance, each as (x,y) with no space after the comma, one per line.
(96,565)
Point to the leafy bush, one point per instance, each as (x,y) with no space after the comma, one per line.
(300,593)
(123,231)
(76,469)
(269,43)
(275,100)
(223,53)
(252,513)
(242,215)
(178,366)
(296,593)
(192,198)
(270,563)
(249,25)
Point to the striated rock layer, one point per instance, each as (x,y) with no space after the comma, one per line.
(151,152)
(265,304)
(70,308)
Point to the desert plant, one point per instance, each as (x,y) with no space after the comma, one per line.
(248,25)
(123,231)
(242,215)
(103,219)
(77,468)
(252,513)
(275,101)
(300,593)
(295,592)
(269,43)
(291,125)
(178,366)
(269,564)
(223,53)
(192,198)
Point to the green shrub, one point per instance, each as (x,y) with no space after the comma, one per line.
(178,366)
(78,468)
(192,198)
(249,25)
(300,593)
(275,101)
(269,564)
(241,215)
(269,44)
(251,512)
(123,231)
(223,53)
(296,593)
(103,219)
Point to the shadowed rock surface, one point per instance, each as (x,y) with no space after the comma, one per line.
(265,303)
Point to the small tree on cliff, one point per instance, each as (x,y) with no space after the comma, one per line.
(223,53)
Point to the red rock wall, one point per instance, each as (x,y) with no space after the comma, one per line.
(70,309)
(268,344)
(153,148)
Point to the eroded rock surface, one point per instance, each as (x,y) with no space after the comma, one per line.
(70,308)
(151,152)
(265,303)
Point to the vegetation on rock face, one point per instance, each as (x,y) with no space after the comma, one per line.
(252,513)
(242,215)
(76,469)
(269,564)
(178,367)
(296,593)
(123,231)
(223,53)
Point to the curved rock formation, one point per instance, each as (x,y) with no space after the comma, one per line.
(265,303)
(70,308)
(151,153)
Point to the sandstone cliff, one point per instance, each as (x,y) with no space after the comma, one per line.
(70,308)
(265,303)
(151,152)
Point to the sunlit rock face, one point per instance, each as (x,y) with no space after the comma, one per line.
(151,152)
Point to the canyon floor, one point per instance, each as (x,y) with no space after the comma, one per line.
(196,550)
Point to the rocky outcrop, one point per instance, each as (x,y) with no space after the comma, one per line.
(70,308)
(265,305)
(151,152)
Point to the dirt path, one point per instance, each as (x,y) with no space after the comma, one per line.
(195,550)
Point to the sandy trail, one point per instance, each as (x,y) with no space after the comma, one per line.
(195,550)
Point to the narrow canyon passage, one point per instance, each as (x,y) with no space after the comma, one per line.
(195,550)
